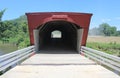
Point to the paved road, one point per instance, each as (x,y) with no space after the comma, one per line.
(59,66)
(58,59)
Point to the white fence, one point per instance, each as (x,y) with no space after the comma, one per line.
(106,59)
(15,57)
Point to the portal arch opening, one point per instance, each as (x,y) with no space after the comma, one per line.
(58,37)
(56,34)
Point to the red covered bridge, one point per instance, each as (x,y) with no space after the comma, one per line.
(73,28)
(63,34)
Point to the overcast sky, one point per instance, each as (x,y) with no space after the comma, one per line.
(107,11)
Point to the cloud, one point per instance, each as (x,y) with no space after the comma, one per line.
(106,20)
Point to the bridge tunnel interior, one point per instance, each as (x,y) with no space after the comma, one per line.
(58,36)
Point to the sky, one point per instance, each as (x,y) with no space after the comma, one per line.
(104,11)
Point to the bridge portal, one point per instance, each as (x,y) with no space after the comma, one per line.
(58,30)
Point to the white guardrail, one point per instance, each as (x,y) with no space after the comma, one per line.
(106,59)
(15,57)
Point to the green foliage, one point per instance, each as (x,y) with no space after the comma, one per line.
(117,33)
(105,29)
(15,31)
(1,23)
(21,36)
(1,14)
(7,33)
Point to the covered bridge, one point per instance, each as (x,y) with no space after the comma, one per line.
(58,30)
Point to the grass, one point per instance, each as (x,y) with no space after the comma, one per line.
(109,45)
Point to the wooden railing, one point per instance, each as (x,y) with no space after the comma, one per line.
(13,58)
(108,60)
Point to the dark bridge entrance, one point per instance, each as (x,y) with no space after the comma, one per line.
(65,37)
(58,31)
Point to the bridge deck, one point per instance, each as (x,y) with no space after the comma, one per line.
(59,66)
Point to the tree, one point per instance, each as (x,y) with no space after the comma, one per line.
(1,23)
(117,33)
(104,29)
(7,34)
(107,30)
(1,14)
(15,31)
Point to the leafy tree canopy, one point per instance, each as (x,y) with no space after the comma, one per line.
(1,14)
(15,31)
(105,29)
